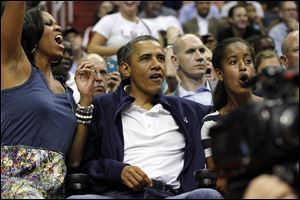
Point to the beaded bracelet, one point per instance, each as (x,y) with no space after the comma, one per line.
(86,110)
(83,117)
(82,107)
(83,122)
(84,114)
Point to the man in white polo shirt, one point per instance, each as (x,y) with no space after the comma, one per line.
(142,144)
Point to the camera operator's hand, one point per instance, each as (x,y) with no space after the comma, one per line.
(134,178)
(268,187)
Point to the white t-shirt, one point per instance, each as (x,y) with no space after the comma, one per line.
(118,30)
(163,22)
(203,24)
(152,142)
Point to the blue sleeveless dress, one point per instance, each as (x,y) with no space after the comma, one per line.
(37,129)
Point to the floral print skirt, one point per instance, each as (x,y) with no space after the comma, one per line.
(31,173)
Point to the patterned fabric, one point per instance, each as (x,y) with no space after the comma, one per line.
(28,173)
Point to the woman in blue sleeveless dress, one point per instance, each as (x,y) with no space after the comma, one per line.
(40,132)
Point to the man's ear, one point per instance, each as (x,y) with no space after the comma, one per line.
(219,74)
(175,62)
(284,61)
(125,70)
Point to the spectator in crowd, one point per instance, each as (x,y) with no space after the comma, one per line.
(209,40)
(239,25)
(128,152)
(101,77)
(174,5)
(254,20)
(233,60)
(289,15)
(104,82)
(104,8)
(65,64)
(152,15)
(266,58)
(203,23)
(38,123)
(189,10)
(73,35)
(153,9)
(63,69)
(115,30)
(290,51)
(229,4)
(271,13)
(190,60)
(210,70)
(263,43)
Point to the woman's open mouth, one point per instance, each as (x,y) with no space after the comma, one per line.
(244,78)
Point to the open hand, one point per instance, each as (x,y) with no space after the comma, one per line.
(84,78)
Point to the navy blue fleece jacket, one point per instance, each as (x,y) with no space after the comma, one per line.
(103,158)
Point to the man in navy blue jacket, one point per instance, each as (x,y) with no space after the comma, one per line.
(140,143)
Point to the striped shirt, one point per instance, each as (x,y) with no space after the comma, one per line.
(207,122)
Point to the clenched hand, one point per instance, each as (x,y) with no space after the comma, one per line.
(134,178)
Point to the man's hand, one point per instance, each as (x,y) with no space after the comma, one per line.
(134,178)
(172,34)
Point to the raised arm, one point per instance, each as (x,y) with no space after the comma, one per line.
(12,54)
(171,71)
(11,30)
(85,78)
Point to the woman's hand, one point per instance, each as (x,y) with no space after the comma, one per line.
(84,78)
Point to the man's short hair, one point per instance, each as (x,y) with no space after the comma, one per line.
(129,47)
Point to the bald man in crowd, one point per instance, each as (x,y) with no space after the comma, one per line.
(290,51)
(190,60)
(104,82)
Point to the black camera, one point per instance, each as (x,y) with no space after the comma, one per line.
(206,178)
(259,138)
(76,184)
